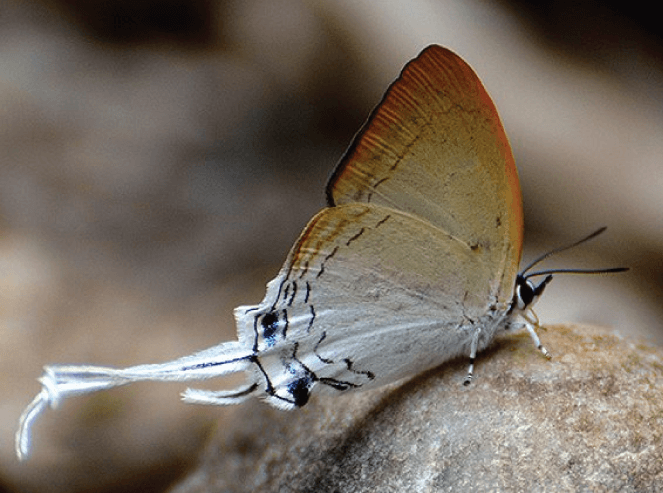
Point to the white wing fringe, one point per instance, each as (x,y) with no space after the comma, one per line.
(59,382)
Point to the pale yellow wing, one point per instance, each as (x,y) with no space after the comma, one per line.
(435,147)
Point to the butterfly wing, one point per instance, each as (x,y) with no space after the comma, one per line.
(435,147)
(368,295)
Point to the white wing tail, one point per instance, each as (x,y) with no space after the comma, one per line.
(60,382)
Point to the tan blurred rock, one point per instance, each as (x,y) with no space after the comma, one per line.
(589,420)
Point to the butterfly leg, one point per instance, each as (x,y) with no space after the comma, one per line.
(536,340)
(473,354)
(532,321)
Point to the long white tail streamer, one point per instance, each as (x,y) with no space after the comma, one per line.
(59,382)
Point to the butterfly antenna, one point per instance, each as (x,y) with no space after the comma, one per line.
(555,251)
(576,271)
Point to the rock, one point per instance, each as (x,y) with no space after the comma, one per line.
(591,419)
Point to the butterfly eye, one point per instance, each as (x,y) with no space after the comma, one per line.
(524,293)
(527,293)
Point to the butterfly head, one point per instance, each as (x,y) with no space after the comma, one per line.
(527,293)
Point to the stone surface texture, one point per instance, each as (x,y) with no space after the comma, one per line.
(591,419)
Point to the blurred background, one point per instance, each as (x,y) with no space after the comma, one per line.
(159,158)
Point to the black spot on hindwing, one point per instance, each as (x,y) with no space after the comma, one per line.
(273,326)
(300,390)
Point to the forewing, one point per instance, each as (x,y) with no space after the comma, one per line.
(435,147)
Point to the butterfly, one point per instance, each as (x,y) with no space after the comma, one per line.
(414,261)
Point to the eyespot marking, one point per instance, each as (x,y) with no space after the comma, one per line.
(274,326)
(300,391)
